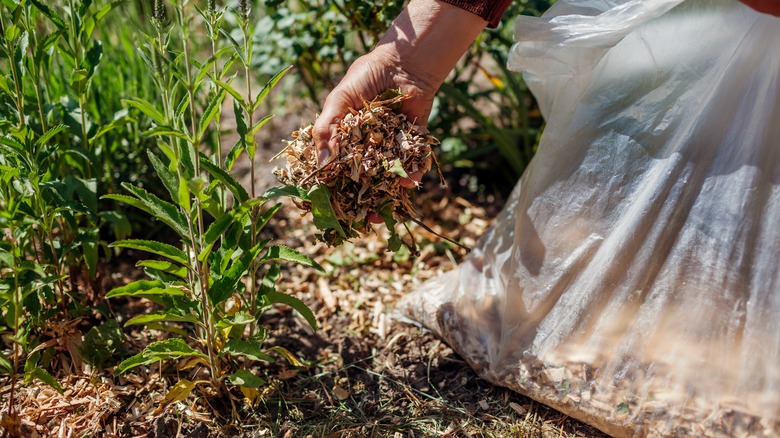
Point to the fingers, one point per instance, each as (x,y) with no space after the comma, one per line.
(326,125)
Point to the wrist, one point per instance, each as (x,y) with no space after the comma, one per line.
(428,38)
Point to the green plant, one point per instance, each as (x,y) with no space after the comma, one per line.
(201,284)
(47,194)
(320,38)
(497,102)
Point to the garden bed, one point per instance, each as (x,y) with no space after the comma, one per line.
(363,373)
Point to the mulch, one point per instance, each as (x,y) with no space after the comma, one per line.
(362,373)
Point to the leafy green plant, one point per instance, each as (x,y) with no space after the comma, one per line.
(209,284)
(320,38)
(49,207)
(504,125)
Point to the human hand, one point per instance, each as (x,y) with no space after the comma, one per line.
(368,77)
(415,56)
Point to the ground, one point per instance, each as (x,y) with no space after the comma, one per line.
(363,373)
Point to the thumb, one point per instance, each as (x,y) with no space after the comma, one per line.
(325,128)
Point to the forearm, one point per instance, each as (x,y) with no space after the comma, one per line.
(429,37)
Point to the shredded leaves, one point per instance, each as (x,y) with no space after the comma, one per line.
(378,148)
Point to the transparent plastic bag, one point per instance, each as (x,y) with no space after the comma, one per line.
(633,278)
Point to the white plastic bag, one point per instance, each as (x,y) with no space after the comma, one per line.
(633,279)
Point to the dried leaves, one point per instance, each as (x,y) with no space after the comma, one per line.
(377,149)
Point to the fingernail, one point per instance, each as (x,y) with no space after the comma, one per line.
(322,156)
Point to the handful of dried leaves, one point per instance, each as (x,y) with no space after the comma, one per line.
(377,148)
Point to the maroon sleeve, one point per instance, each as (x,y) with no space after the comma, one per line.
(489,10)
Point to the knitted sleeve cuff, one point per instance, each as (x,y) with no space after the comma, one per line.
(489,10)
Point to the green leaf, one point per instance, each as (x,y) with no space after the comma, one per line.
(285,253)
(120,222)
(49,134)
(224,286)
(169,349)
(168,178)
(94,55)
(102,343)
(180,109)
(240,115)
(50,14)
(259,124)
(266,216)
(225,178)
(14,146)
(394,243)
(322,210)
(142,288)
(234,153)
(295,303)
(211,111)
(397,168)
(239,319)
(183,195)
(45,44)
(78,80)
(163,131)
(236,95)
(6,367)
(89,248)
(146,108)
(270,278)
(250,349)
(268,86)
(219,226)
(245,378)
(120,118)
(386,213)
(163,316)
(161,210)
(44,376)
(91,23)
(154,247)
(164,266)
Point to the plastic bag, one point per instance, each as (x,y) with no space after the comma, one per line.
(633,279)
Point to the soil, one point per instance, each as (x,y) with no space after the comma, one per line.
(362,373)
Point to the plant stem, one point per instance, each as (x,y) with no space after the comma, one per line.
(223,193)
(85,140)
(17,304)
(200,266)
(9,52)
(252,216)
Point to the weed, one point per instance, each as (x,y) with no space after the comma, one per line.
(202,284)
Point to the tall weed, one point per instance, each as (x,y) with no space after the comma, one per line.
(209,284)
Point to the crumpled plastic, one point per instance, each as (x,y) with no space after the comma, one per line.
(632,280)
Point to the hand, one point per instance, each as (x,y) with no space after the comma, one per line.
(420,48)
(368,77)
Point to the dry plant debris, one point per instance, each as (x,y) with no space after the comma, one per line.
(377,148)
